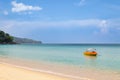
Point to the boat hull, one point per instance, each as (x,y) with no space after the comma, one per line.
(90,53)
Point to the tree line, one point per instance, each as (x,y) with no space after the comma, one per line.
(5,38)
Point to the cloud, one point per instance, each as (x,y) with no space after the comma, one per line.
(30,25)
(104,25)
(20,7)
(114,23)
(68,24)
(95,27)
(101,26)
(6,25)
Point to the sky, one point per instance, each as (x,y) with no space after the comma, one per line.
(62,21)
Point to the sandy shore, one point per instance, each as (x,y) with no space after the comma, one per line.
(9,72)
(15,69)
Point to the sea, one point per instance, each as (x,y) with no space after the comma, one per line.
(108,57)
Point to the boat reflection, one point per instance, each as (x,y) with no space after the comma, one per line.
(90,57)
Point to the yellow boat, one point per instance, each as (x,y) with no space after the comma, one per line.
(90,52)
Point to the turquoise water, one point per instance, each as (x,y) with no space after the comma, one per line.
(69,54)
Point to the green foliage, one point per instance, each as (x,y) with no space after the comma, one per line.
(5,38)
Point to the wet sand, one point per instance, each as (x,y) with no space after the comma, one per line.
(11,69)
(9,72)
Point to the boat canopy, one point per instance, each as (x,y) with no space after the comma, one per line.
(91,49)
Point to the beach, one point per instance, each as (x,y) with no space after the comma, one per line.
(11,69)
(59,62)
(36,71)
(9,72)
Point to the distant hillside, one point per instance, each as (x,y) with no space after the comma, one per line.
(25,40)
(5,38)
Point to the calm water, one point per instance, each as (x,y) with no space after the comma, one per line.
(69,54)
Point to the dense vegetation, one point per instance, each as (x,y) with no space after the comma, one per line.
(5,38)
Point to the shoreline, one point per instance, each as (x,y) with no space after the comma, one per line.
(73,73)
(10,72)
(46,72)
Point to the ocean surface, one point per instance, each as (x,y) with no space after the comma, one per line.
(67,54)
